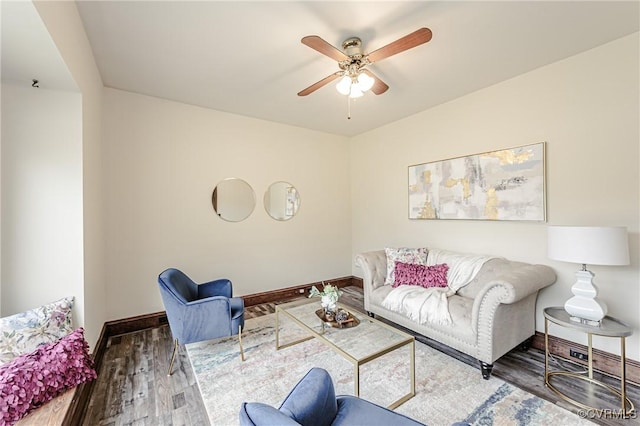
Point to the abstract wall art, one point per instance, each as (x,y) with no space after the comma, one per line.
(508,184)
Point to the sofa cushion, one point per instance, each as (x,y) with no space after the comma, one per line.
(24,332)
(30,380)
(460,309)
(420,275)
(406,255)
(377,295)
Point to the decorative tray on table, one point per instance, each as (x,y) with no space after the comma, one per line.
(351,321)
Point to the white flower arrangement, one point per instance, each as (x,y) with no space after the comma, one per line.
(328,296)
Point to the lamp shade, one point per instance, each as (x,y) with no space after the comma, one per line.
(365,82)
(355,92)
(588,245)
(344,85)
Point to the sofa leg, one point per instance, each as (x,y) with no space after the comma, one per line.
(526,345)
(371,314)
(486,370)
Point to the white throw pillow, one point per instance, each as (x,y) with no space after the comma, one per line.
(416,256)
(24,332)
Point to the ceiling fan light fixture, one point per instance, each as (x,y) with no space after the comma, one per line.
(356,92)
(354,86)
(365,82)
(344,85)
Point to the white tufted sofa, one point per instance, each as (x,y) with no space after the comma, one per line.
(491,315)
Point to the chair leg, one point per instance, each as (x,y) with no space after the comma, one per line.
(173,357)
(240,341)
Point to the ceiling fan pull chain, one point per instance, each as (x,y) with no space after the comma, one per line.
(348,108)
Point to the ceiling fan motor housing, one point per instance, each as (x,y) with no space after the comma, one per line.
(352,47)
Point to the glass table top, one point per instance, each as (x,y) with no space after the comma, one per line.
(370,337)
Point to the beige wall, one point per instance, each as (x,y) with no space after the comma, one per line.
(162,161)
(41,198)
(67,31)
(585,107)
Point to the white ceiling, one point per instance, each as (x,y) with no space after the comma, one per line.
(28,52)
(245,57)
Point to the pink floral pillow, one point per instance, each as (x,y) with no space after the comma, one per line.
(403,254)
(422,275)
(30,380)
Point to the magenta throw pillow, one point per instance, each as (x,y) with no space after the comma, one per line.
(421,275)
(30,380)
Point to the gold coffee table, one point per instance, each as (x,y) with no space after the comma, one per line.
(361,344)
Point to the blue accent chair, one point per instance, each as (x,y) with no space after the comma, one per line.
(198,312)
(313,402)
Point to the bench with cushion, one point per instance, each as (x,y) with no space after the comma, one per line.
(42,360)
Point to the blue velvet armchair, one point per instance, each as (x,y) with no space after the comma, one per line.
(313,402)
(198,312)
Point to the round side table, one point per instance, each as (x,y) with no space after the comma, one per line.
(609,327)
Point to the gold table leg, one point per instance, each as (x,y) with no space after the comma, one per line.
(412,363)
(240,341)
(277,329)
(546,351)
(623,379)
(590,354)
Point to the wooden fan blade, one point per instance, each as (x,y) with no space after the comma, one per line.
(414,39)
(319,84)
(323,47)
(379,87)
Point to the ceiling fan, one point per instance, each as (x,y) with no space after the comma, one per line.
(355,78)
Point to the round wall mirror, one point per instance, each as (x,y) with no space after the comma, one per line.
(281,200)
(233,199)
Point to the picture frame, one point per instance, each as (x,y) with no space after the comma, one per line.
(507,184)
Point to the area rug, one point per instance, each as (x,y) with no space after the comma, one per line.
(447,390)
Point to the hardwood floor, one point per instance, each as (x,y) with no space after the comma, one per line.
(133,387)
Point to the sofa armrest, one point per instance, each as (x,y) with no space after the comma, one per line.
(509,287)
(374,270)
(374,267)
(220,287)
(203,319)
(517,283)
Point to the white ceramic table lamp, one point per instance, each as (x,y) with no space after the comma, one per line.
(587,245)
